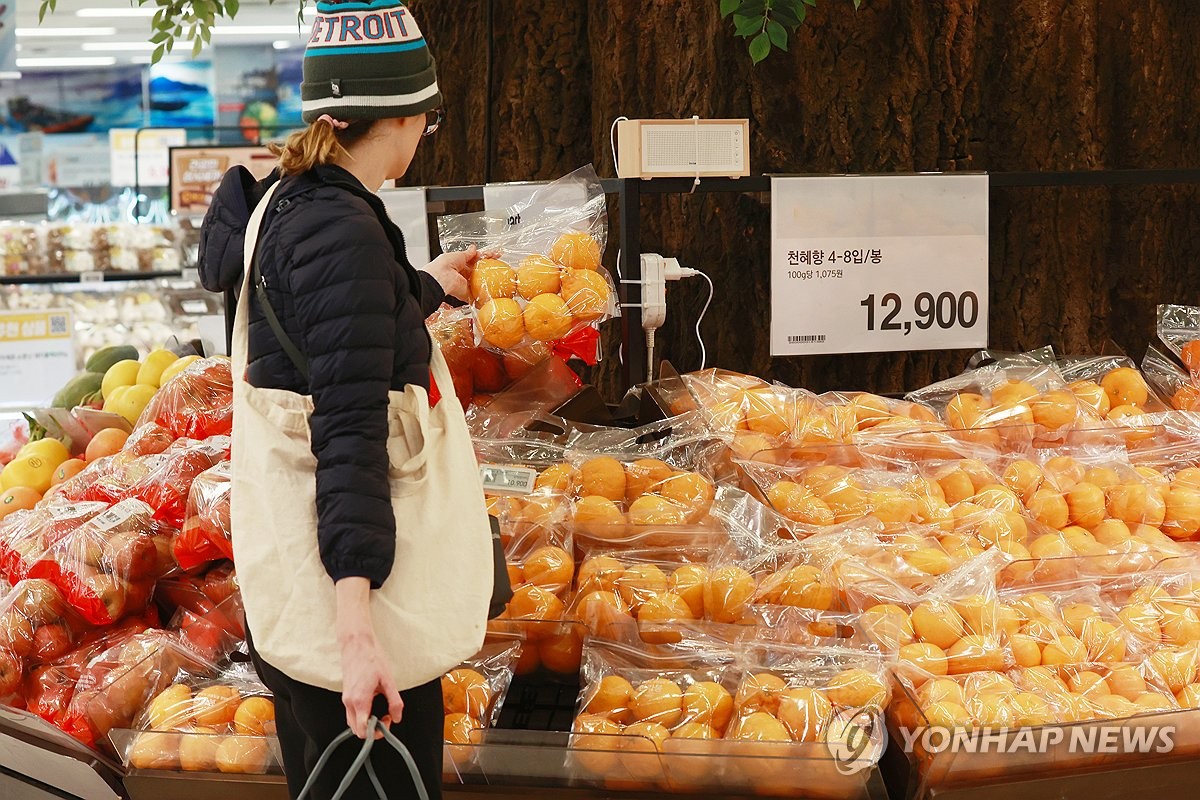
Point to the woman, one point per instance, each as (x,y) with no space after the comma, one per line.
(340,283)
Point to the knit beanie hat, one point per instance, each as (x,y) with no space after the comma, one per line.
(367,59)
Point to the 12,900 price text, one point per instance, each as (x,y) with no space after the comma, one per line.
(946,310)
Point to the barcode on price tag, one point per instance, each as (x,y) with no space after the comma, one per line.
(122,511)
(879,263)
(507,480)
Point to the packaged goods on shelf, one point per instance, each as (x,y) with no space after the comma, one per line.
(201,723)
(70,249)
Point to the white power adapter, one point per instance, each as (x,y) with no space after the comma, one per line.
(656,271)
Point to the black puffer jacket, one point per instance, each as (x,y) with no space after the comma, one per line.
(340,282)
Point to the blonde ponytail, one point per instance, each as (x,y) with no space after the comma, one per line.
(316,145)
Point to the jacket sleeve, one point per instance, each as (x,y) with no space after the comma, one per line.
(343,279)
(430,294)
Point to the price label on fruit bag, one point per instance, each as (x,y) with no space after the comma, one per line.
(864,264)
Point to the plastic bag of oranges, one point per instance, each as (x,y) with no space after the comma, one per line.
(547,282)
(658,590)
(107,567)
(205,535)
(634,700)
(1168,380)
(472,695)
(26,535)
(203,724)
(197,403)
(1116,377)
(1179,330)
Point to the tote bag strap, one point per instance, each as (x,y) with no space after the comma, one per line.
(361,760)
(240,352)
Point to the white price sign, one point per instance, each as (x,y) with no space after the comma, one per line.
(406,207)
(864,264)
(37,356)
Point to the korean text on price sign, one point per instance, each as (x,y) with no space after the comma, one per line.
(37,356)
(864,264)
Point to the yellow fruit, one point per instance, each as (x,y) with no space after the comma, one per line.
(150,373)
(657,700)
(198,750)
(465,691)
(217,705)
(857,688)
(243,755)
(888,625)
(804,712)
(122,373)
(926,657)
(29,472)
(130,401)
(576,250)
(708,703)
(586,293)
(492,280)
(502,323)
(18,498)
(1125,386)
(48,449)
(938,623)
(538,275)
(611,698)
(253,715)
(547,318)
(171,709)
(155,751)
(175,367)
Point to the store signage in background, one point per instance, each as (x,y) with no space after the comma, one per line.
(8,36)
(863,264)
(143,157)
(76,160)
(196,173)
(406,207)
(37,356)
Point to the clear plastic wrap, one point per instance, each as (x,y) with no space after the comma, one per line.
(657,476)
(547,283)
(1179,330)
(202,724)
(1055,626)
(1168,380)
(26,535)
(196,404)
(117,683)
(477,687)
(205,534)
(478,372)
(1111,385)
(107,567)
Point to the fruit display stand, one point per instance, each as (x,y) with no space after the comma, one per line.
(44,757)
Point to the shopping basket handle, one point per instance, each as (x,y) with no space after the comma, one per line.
(364,752)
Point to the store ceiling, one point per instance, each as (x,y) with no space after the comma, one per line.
(97,35)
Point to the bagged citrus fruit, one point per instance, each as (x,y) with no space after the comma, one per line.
(1181,387)
(546,283)
(107,567)
(476,688)
(1179,330)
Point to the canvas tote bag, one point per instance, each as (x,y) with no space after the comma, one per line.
(431,613)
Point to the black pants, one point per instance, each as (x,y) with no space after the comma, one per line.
(308,718)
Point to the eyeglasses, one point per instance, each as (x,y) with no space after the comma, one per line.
(432,120)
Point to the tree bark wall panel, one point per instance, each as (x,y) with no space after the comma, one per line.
(899,86)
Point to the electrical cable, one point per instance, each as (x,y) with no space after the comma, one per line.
(703,311)
(612,141)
